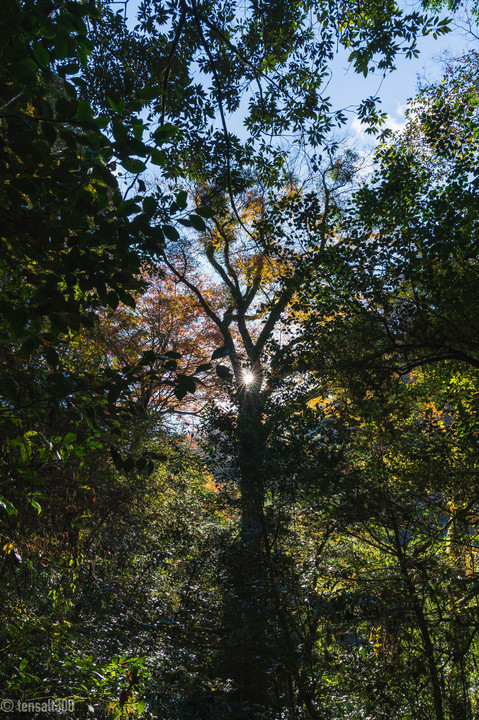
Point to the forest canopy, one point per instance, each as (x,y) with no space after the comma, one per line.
(238,368)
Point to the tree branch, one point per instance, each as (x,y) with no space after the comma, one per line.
(167,70)
(219,95)
(223,328)
(276,311)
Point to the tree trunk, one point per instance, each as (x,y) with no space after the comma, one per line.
(247,611)
(424,630)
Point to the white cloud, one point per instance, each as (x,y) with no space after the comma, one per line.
(396,124)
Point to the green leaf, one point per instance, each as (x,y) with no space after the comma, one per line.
(150,206)
(7,505)
(203,368)
(133,165)
(186,382)
(101,122)
(128,464)
(142,463)
(148,356)
(106,176)
(48,30)
(170,232)
(70,68)
(165,132)
(141,706)
(157,157)
(52,357)
(220,352)
(41,53)
(205,212)
(128,207)
(38,508)
(94,444)
(149,93)
(180,392)
(61,46)
(197,222)
(49,132)
(113,395)
(67,109)
(474,589)
(137,130)
(84,111)
(26,70)
(116,457)
(126,298)
(118,107)
(181,199)
(113,300)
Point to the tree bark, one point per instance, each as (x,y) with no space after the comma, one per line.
(424,630)
(248,646)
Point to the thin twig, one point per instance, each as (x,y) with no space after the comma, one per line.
(11,100)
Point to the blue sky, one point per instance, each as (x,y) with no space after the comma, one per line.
(347,88)
(400,85)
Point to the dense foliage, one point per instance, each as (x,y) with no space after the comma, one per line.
(307,546)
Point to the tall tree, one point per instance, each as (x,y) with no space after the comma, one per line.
(69,244)
(278,56)
(64,263)
(403,271)
(390,339)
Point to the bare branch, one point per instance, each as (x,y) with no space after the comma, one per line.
(210,254)
(223,328)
